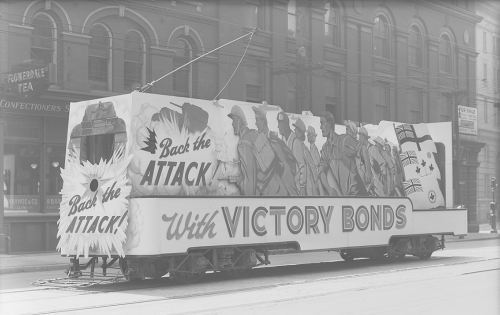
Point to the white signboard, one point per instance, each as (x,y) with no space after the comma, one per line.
(467,116)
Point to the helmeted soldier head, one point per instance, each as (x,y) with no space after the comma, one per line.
(300,129)
(311,134)
(260,119)
(379,142)
(351,128)
(283,124)
(239,119)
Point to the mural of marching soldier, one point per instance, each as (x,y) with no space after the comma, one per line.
(373,164)
(311,138)
(295,146)
(259,169)
(338,170)
(310,167)
(285,158)
(400,175)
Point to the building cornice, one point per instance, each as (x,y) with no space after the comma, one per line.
(141,5)
(451,10)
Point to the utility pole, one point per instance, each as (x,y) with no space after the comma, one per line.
(456,98)
(493,206)
(3,238)
(301,68)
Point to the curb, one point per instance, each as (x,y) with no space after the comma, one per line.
(10,270)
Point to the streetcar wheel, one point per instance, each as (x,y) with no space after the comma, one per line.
(346,255)
(184,277)
(425,256)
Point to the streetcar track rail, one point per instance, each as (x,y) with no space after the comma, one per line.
(263,287)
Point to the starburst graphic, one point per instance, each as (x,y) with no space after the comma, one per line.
(150,142)
(94,206)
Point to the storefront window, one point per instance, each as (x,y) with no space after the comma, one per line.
(54,161)
(22,177)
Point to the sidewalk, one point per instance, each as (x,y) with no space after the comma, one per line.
(54,261)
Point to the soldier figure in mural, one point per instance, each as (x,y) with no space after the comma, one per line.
(400,175)
(338,171)
(295,146)
(259,168)
(311,138)
(310,167)
(261,123)
(391,167)
(373,164)
(284,156)
(385,168)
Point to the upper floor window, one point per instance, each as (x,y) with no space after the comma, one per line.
(381,37)
(332,32)
(445,54)
(415,47)
(446,107)
(416,106)
(43,39)
(134,60)
(292,17)
(332,95)
(254,15)
(254,82)
(99,58)
(382,97)
(183,78)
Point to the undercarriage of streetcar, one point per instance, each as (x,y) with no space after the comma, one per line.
(237,262)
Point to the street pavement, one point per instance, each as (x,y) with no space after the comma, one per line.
(53,260)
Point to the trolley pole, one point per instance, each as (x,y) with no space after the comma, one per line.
(493,206)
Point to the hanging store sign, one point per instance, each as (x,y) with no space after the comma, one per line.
(28,82)
(467,117)
(39,107)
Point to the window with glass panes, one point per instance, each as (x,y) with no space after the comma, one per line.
(182,82)
(446,108)
(99,56)
(253,81)
(382,97)
(415,46)
(445,54)
(43,39)
(292,17)
(254,15)
(133,65)
(332,33)
(381,37)
(332,95)
(416,106)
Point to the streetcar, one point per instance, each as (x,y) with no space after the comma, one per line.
(160,184)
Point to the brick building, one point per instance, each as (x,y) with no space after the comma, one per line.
(488,102)
(365,61)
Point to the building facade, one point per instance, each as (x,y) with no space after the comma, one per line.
(365,61)
(488,102)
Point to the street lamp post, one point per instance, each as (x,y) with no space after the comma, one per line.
(493,206)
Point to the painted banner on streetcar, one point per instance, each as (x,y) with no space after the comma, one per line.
(149,146)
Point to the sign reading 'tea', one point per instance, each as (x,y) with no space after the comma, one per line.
(28,82)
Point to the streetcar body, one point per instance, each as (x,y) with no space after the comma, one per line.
(182,185)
